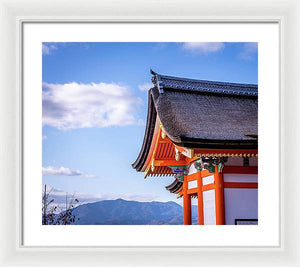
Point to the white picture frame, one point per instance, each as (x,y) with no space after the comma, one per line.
(266,234)
(12,16)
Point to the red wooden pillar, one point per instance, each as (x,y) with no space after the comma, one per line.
(187,213)
(200,199)
(219,197)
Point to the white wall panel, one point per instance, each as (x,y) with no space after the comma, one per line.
(192,184)
(241,178)
(209,208)
(240,204)
(208,180)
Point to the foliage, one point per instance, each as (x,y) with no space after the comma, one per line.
(53,214)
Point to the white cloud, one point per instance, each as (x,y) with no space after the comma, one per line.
(76,105)
(48,48)
(62,171)
(249,51)
(145,86)
(203,48)
(44,137)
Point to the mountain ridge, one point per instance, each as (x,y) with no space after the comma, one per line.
(130,212)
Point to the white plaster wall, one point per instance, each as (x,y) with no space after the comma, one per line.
(241,178)
(209,208)
(240,204)
(194,203)
(192,184)
(208,180)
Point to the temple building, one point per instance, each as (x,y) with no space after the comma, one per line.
(205,134)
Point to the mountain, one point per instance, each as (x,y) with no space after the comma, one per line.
(123,212)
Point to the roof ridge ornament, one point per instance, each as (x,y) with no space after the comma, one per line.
(156,80)
(152,72)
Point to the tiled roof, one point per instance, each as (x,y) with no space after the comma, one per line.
(202,114)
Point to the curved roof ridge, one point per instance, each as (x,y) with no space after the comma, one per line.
(207,81)
(203,86)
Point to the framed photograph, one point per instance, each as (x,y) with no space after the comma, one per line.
(109,169)
(141,135)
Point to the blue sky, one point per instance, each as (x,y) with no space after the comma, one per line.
(95,106)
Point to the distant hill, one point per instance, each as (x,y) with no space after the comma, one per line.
(123,212)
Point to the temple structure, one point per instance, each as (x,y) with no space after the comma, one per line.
(205,134)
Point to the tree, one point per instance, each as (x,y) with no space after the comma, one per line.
(53,214)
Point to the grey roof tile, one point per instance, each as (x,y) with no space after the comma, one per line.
(202,86)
